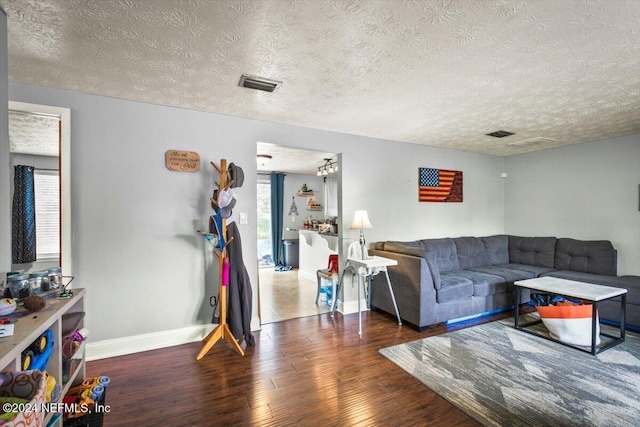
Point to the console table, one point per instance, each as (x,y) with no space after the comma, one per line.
(365,270)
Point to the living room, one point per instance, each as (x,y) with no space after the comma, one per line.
(134,223)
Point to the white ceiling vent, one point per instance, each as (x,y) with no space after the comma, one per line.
(259,83)
(500,134)
(533,141)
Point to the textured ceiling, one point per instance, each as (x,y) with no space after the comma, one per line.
(440,73)
(33,134)
(292,160)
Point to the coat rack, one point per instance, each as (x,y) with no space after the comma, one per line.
(222,330)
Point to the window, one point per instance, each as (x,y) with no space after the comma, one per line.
(331,196)
(47,189)
(265,258)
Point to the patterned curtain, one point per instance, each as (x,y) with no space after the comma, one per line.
(277,210)
(23,247)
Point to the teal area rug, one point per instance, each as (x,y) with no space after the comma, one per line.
(504,377)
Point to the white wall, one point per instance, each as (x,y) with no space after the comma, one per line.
(382,177)
(134,222)
(584,191)
(5,169)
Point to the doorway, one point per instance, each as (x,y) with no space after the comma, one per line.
(290,292)
(64,167)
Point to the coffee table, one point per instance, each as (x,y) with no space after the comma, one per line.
(572,289)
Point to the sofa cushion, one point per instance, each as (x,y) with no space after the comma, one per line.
(587,256)
(538,251)
(479,251)
(508,274)
(630,283)
(435,273)
(453,288)
(441,251)
(483,284)
(536,270)
(497,247)
(471,252)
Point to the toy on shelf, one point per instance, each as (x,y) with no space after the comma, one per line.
(71,343)
(37,355)
(66,294)
(7,306)
(34,303)
(53,389)
(85,395)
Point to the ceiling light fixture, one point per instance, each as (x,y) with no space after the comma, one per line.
(263,159)
(330,166)
(259,83)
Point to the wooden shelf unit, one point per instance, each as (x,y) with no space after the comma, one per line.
(29,327)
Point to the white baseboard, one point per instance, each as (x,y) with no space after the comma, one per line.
(352,306)
(137,343)
(145,342)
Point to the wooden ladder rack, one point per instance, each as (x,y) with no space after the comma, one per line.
(222,330)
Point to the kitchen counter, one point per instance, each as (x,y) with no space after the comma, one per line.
(315,249)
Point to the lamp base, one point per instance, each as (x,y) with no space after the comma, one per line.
(363,250)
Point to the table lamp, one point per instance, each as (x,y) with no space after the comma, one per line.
(361,221)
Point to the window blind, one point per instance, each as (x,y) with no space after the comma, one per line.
(47,189)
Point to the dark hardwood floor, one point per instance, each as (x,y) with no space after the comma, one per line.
(313,371)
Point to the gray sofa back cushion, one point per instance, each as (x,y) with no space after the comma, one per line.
(480,251)
(497,248)
(538,251)
(588,256)
(441,252)
(438,254)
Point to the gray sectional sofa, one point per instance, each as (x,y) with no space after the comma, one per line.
(438,280)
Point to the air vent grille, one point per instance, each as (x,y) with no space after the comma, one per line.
(259,83)
(500,134)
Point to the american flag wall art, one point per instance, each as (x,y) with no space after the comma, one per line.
(439,185)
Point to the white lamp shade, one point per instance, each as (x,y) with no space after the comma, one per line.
(361,220)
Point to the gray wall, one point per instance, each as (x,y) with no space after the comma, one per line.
(134,222)
(5,169)
(39,162)
(584,191)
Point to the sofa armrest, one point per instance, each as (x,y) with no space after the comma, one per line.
(412,284)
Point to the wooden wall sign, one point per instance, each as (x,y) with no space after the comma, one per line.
(182,161)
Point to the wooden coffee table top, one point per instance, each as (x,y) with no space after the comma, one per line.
(571,288)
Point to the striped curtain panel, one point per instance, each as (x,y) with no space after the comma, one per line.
(23,244)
